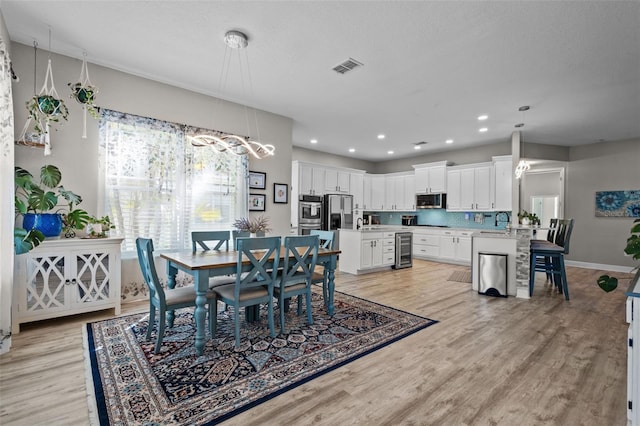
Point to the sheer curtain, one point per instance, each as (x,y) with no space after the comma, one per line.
(157,185)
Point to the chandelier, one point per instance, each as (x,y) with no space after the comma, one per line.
(230,143)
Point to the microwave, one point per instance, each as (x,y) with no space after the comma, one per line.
(431,201)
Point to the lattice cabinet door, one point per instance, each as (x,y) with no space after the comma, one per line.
(64,277)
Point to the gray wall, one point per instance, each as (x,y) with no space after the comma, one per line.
(317,157)
(600,167)
(78,158)
(541,151)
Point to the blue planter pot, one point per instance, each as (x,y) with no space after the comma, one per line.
(50,224)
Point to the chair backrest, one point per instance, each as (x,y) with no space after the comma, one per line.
(260,251)
(300,258)
(148,268)
(326,238)
(200,238)
(551,234)
(235,233)
(563,233)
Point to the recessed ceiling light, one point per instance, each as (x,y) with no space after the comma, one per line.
(449,141)
(389,152)
(417,147)
(519,125)
(352,150)
(524,108)
(483,129)
(380,136)
(483,117)
(314,141)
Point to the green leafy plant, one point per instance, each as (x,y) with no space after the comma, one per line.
(258,224)
(43,196)
(86,96)
(532,217)
(100,231)
(609,283)
(45,109)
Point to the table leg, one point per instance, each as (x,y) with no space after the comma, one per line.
(331,265)
(172,271)
(201,284)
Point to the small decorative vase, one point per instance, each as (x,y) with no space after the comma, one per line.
(252,234)
(50,224)
(524,221)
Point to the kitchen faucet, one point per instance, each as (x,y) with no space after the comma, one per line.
(358,223)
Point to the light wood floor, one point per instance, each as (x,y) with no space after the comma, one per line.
(490,361)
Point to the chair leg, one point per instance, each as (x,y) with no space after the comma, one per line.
(152,320)
(272,332)
(532,272)
(281,304)
(308,300)
(161,325)
(236,321)
(213,310)
(547,267)
(325,290)
(563,274)
(299,304)
(214,323)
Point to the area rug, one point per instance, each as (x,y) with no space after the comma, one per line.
(129,384)
(460,276)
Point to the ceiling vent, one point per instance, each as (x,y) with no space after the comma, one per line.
(420,143)
(348,65)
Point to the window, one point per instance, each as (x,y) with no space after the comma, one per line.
(157,185)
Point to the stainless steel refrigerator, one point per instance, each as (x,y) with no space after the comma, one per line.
(338,214)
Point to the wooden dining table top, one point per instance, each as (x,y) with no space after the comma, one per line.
(212,259)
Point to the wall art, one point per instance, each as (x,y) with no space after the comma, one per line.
(618,203)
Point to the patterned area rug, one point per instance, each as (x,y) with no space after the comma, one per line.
(460,276)
(128,384)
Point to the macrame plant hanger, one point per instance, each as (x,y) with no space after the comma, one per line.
(31,139)
(84,92)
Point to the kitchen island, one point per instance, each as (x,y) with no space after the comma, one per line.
(369,249)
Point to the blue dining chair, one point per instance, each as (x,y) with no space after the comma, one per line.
(254,282)
(165,300)
(217,240)
(300,257)
(549,257)
(327,241)
(236,233)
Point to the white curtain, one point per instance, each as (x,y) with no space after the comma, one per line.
(7,196)
(157,185)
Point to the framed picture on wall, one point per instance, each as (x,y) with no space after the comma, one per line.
(257,180)
(280,193)
(256,202)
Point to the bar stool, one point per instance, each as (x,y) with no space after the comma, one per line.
(549,257)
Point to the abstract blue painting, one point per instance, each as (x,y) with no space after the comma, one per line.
(618,203)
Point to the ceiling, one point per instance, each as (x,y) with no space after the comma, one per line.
(429,68)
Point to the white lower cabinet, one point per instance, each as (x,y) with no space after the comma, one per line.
(443,245)
(633,352)
(366,251)
(65,277)
(426,245)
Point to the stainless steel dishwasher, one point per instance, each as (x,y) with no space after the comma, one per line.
(404,240)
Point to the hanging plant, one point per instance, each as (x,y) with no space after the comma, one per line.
(45,109)
(85,95)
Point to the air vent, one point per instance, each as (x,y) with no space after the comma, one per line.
(348,65)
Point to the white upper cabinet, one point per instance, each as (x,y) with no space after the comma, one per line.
(356,184)
(311,179)
(503,172)
(399,192)
(377,192)
(336,181)
(454,182)
(366,192)
(470,188)
(431,178)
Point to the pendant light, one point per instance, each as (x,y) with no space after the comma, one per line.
(523,165)
(235,41)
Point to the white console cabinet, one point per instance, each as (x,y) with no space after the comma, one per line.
(633,354)
(64,277)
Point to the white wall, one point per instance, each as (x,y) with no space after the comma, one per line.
(77,157)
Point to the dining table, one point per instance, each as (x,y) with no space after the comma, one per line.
(211,263)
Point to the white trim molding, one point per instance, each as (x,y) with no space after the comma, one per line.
(599,266)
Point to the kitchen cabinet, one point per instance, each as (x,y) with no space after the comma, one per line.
(65,277)
(503,180)
(336,181)
(356,184)
(366,251)
(311,180)
(470,188)
(431,178)
(426,244)
(456,246)
(377,192)
(399,192)
(633,352)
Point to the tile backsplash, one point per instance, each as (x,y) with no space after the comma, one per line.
(440,217)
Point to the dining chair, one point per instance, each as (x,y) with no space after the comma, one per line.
(165,300)
(236,233)
(300,258)
(327,241)
(217,240)
(254,283)
(549,257)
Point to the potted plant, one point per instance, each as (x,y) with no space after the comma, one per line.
(259,224)
(44,109)
(37,202)
(98,227)
(85,95)
(608,283)
(527,218)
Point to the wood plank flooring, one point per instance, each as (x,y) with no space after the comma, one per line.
(490,361)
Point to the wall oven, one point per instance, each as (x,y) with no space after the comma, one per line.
(310,210)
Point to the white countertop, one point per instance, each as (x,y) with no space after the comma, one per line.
(494,234)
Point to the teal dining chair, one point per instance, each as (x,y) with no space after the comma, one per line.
(254,282)
(165,300)
(327,241)
(217,240)
(549,257)
(300,257)
(236,233)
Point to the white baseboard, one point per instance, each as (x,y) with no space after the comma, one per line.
(599,266)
